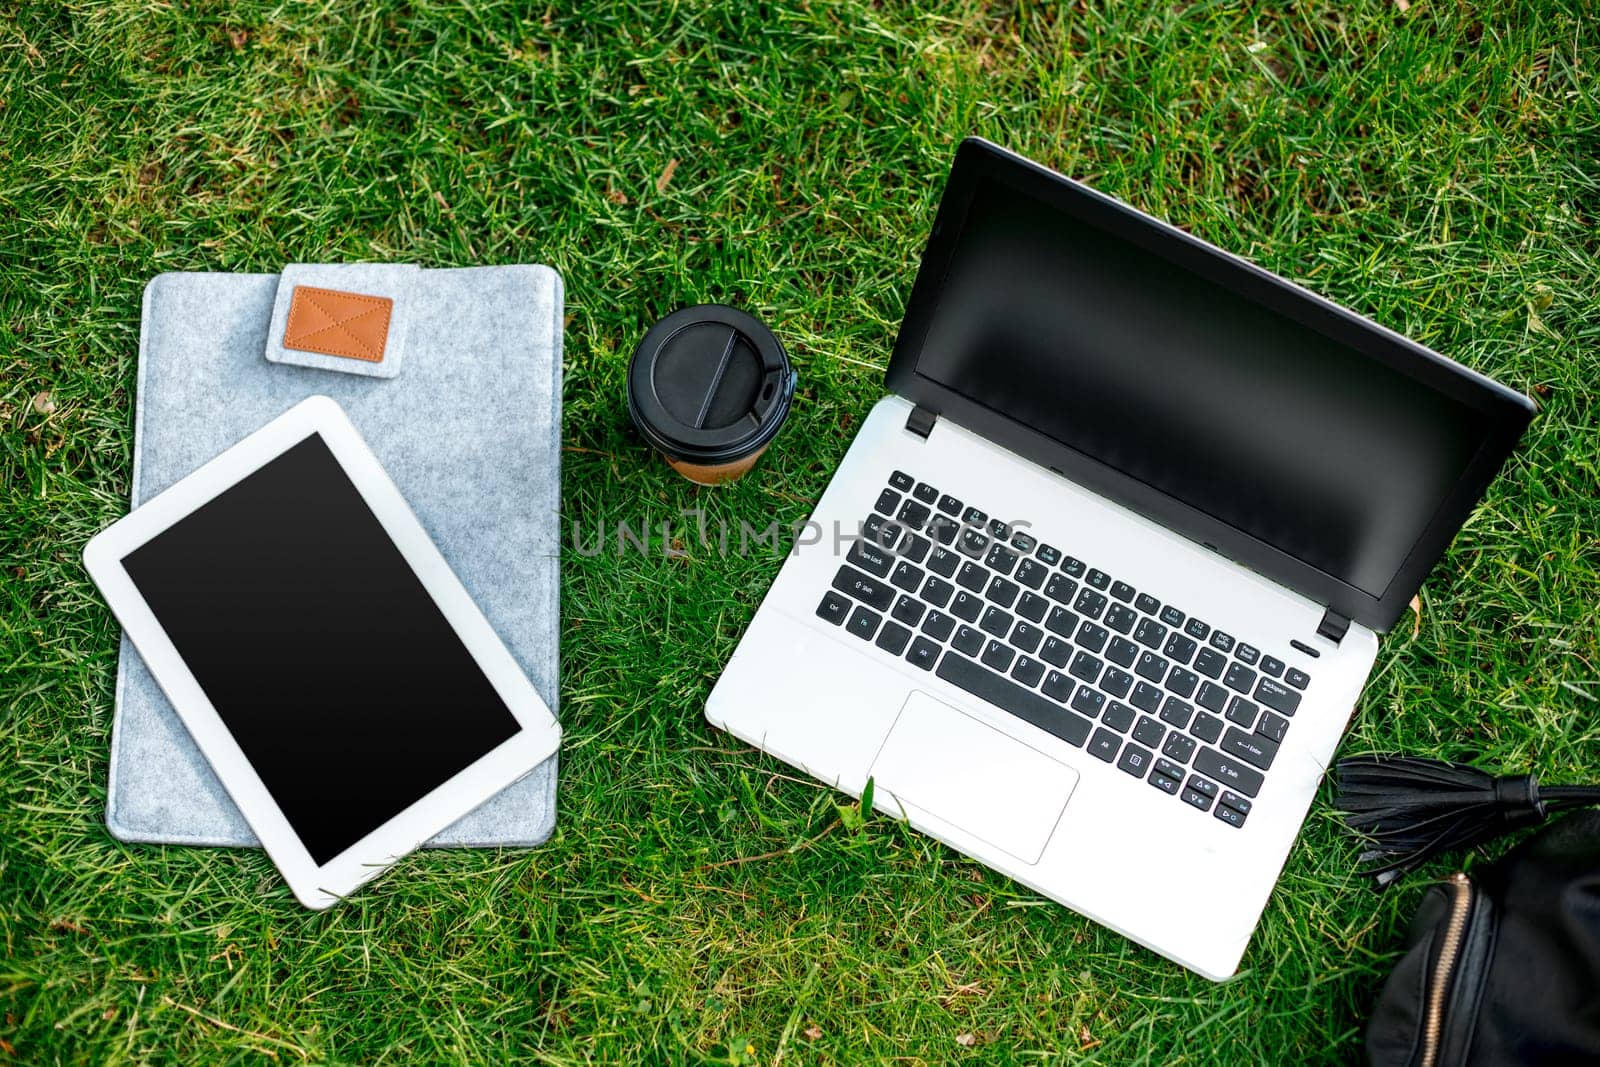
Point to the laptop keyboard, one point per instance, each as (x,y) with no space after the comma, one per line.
(1065,646)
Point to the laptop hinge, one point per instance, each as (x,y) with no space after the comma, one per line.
(1333,626)
(920,421)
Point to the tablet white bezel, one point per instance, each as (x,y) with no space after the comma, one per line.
(320,885)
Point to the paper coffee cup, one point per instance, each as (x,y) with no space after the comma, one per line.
(708,387)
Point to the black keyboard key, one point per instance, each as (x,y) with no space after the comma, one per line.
(1176,712)
(834,608)
(1027,670)
(1023,703)
(1254,749)
(998,656)
(1090,603)
(1055,652)
(1234,801)
(1135,760)
(966,606)
(1062,622)
(1092,637)
(1168,768)
(870,557)
(1026,636)
(999,529)
(1182,682)
(907,576)
(1273,726)
(1118,716)
(1179,747)
(1297,678)
(1104,744)
(1239,678)
(1207,728)
(943,562)
(1000,558)
(1116,682)
(1060,588)
(924,654)
(863,623)
(973,577)
(1196,799)
(937,591)
(1227,770)
(888,500)
(1089,701)
(1148,732)
(1203,787)
(1212,697)
(880,532)
(1121,618)
(1086,667)
(864,587)
(1248,653)
(1150,633)
(973,542)
(1022,542)
(968,640)
(1058,686)
(914,515)
(1171,616)
(1179,648)
(1151,667)
(949,505)
(1003,591)
(893,638)
(1098,578)
(914,547)
(1210,663)
(925,493)
(1147,603)
(937,625)
(1222,641)
(996,621)
(1229,815)
(1196,629)
(908,610)
(1122,591)
(1049,555)
(1073,567)
(1242,712)
(1033,607)
(1031,573)
(1272,665)
(974,517)
(1122,652)
(1145,697)
(943,529)
(902,481)
(1165,783)
(1273,694)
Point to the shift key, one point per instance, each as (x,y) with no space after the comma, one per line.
(1226,769)
(864,587)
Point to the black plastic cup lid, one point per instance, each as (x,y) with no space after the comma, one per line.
(709,384)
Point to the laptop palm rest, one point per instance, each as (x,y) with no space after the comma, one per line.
(965,773)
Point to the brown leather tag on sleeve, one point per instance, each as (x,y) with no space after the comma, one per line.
(336,323)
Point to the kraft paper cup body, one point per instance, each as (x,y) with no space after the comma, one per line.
(709,387)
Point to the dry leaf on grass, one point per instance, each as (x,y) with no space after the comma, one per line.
(967,1040)
(44,403)
(1416,615)
(812,1032)
(666,175)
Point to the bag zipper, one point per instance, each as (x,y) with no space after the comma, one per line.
(1444,969)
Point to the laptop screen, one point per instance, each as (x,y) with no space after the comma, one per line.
(1257,420)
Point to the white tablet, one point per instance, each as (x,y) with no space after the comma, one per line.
(349,694)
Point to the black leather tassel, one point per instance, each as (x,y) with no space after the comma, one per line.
(1411,810)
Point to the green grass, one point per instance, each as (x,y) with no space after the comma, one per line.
(1435,168)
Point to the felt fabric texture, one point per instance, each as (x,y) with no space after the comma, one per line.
(393,280)
(471,435)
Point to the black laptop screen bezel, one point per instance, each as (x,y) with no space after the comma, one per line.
(1508,412)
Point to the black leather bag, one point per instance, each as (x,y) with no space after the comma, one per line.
(1503,965)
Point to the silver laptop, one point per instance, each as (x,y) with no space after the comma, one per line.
(1097,586)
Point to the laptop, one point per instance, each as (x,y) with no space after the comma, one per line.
(1098,583)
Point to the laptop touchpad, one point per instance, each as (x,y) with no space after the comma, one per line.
(966,773)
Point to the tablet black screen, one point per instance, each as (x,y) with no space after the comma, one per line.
(330,664)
